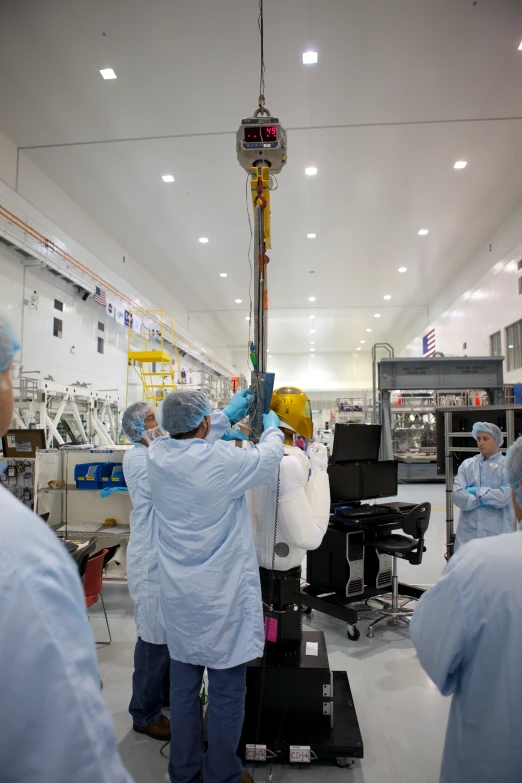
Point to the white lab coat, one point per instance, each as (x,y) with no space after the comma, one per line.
(490,511)
(468,631)
(55,727)
(210,590)
(304,507)
(142,553)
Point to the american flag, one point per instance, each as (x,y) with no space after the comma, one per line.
(428,344)
(100,297)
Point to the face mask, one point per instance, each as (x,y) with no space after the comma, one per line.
(150,435)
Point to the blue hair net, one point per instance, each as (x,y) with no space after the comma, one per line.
(133,420)
(513,469)
(491,429)
(9,342)
(183,411)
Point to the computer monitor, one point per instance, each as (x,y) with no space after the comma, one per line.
(378,479)
(345,482)
(22,444)
(356,442)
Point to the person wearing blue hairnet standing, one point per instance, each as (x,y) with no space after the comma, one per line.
(151,654)
(210,590)
(467,633)
(480,489)
(54,723)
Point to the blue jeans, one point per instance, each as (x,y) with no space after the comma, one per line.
(151,668)
(227,691)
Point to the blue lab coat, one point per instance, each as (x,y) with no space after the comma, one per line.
(468,632)
(490,512)
(210,590)
(55,726)
(142,552)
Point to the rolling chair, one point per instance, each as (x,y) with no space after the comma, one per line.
(409,547)
(93,586)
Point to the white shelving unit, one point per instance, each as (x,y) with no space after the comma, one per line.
(79,514)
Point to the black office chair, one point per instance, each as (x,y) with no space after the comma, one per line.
(409,547)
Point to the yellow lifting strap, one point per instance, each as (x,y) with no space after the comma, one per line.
(260,186)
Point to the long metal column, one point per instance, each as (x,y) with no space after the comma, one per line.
(260,315)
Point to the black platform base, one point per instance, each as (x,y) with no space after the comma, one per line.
(303,703)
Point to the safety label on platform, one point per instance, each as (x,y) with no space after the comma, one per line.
(312,648)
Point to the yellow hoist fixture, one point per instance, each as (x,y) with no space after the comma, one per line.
(153,354)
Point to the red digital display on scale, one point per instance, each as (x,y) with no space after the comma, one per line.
(252,134)
(264,133)
(269,132)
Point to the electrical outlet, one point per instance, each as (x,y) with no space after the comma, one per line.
(300,754)
(255,752)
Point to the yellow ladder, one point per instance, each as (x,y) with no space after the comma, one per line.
(156,365)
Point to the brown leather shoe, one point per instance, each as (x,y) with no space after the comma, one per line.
(159,730)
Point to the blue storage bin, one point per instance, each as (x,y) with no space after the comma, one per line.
(87,476)
(517,391)
(117,477)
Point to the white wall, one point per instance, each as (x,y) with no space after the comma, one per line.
(49,210)
(490,304)
(49,355)
(318,371)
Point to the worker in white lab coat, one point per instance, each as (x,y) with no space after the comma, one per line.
(55,725)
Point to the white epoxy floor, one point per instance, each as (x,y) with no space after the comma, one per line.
(401,714)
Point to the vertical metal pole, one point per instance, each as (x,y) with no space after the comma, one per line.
(448,429)
(260,323)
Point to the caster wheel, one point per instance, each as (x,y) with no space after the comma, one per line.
(353,632)
(344,762)
(307,610)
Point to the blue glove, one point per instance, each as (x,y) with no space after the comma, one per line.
(237,408)
(270,419)
(108,491)
(472,490)
(234,435)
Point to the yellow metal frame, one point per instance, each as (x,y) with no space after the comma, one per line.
(155,367)
(260,186)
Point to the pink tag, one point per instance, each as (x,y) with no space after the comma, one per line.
(271,629)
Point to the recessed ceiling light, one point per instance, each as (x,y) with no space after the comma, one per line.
(238,301)
(368,330)
(362,342)
(203,240)
(460,164)
(312,349)
(311,236)
(247,318)
(309,58)
(387,296)
(108,73)
(312,316)
(311,298)
(311,171)
(312,342)
(423,232)
(223,274)
(403,269)
(312,331)
(167,178)
(377,315)
(359,349)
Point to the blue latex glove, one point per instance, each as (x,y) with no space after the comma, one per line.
(270,419)
(234,435)
(237,408)
(107,491)
(472,490)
